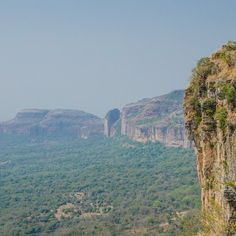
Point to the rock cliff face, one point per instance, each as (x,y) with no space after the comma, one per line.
(53,123)
(210,116)
(110,122)
(156,119)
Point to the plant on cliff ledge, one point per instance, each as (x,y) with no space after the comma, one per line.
(227,53)
(196,107)
(231,45)
(225,91)
(204,68)
(209,107)
(221,116)
(229,92)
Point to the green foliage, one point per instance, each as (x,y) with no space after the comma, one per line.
(227,54)
(226,57)
(209,107)
(231,184)
(195,106)
(221,116)
(210,183)
(229,91)
(191,224)
(231,45)
(144,184)
(204,68)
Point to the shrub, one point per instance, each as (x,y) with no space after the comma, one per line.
(229,93)
(209,107)
(226,91)
(204,68)
(227,58)
(221,116)
(196,107)
(231,45)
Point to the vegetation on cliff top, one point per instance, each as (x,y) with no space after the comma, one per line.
(213,80)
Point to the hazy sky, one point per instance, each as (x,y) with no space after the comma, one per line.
(95,55)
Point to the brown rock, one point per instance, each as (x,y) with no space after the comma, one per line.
(210,105)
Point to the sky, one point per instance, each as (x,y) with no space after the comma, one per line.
(95,55)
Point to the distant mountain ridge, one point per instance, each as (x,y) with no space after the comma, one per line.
(54,123)
(158,119)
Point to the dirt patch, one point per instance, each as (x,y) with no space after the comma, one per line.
(4,163)
(81,208)
(66,211)
(89,214)
(79,196)
(137,230)
(164,226)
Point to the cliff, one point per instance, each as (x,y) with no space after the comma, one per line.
(156,119)
(111,120)
(52,123)
(210,117)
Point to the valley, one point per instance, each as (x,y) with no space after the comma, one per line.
(96,186)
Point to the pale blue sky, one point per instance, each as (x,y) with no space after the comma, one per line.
(95,55)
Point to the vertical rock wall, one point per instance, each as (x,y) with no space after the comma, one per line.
(210,116)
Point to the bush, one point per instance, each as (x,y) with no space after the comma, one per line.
(229,93)
(204,68)
(227,58)
(221,116)
(209,107)
(196,107)
(231,45)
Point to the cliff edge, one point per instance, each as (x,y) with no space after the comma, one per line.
(210,118)
(158,119)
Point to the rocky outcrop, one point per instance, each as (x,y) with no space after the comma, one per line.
(53,123)
(156,119)
(110,122)
(210,116)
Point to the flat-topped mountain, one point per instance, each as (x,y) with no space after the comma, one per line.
(51,123)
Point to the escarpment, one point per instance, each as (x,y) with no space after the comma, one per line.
(158,119)
(210,117)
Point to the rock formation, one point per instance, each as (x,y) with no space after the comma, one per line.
(110,121)
(53,123)
(210,116)
(156,119)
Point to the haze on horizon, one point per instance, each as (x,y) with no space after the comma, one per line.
(97,55)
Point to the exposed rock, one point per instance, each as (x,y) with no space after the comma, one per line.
(156,119)
(210,116)
(110,122)
(53,123)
